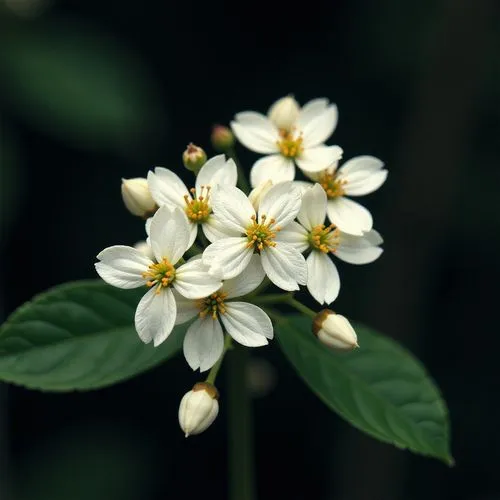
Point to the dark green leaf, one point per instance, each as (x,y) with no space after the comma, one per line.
(380,388)
(78,336)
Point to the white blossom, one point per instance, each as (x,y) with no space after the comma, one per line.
(359,176)
(334,331)
(288,136)
(137,198)
(246,323)
(128,267)
(168,189)
(312,234)
(248,232)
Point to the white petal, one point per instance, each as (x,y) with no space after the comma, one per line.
(167,188)
(155,315)
(169,234)
(349,216)
(295,235)
(284,112)
(281,203)
(359,249)
(361,163)
(193,281)
(361,183)
(276,168)
(122,266)
(256,132)
(323,280)
(214,229)
(231,255)
(186,308)
(232,208)
(318,158)
(193,232)
(216,171)
(303,186)
(203,343)
(318,128)
(284,266)
(310,110)
(249,279)
(248,324)
(313,210)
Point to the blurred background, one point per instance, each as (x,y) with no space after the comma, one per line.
(94,91)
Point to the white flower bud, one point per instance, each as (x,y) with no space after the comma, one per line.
(137,198)
(145,249)
(284,112)
(334,330)
(258,192)
(198,409)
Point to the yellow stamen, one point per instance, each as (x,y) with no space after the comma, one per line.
(324,238)
(161,274)
(213,305)
(261,235)
(198,208)
(290,145)
(333,186)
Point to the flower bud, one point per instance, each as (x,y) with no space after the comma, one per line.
(137,198)
(334,330)
(284,112)
(199,408)
(194,158)
(145,249)
(222,138)
(258,192)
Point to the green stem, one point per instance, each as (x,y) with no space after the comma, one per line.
(300,307)
(240,426)
(212,375)
(194,250)
(242,180)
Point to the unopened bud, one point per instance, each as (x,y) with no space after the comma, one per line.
(334,330)
(145,249)
(194,158)
(258,192)
(284,112)
(222,138)
(137,198)
(199,408)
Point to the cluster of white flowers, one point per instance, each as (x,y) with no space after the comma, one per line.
(277,234)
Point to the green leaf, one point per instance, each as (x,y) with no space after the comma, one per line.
(78,335)
(380,388)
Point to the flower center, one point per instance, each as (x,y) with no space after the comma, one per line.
(213,305)
(290,145)
(333,187)
(261,235)
(161,274)
(324,238)
(198,209)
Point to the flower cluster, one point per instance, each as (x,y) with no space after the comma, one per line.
(212,249)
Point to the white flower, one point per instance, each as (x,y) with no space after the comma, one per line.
(137,198)
(198,409)
(246,323)
(359,176)
(335,331)
(127,267)
(247,233)
(300,143)
(168,189)
(323,280)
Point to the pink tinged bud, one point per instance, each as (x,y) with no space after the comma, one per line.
(284,112)
(137,198)
(198,409)
(194,158)
(334,331)
(222,138)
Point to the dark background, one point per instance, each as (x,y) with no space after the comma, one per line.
(94,91)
